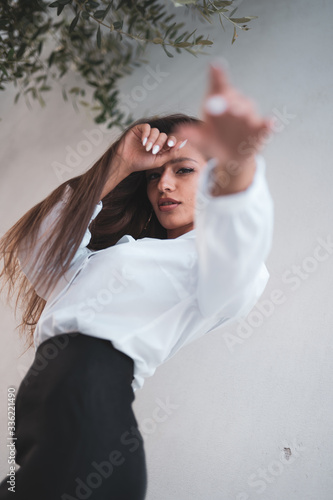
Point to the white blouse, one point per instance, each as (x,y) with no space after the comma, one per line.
(150,296)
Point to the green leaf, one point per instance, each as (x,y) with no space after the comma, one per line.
(99,37)
(60,9)
(54,4)
(51,59)
(99,14)
(40,47)
(85,15)
(169,29)
(183,44)
(74,22)
(179,39)
(74,90)
(188,36)
(167,53)
(120,4)
(41,100)
(3,69)
(93,4)
(118,25)
(232,12)
(204,42)
(108,8)
(10,53)
(234,36)
(221,22)
(183,2)
(3,22)
(100,118)
(242,19)
(158,40)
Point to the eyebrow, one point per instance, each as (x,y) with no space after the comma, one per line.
(175,160)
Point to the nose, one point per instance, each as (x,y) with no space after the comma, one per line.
(166,182)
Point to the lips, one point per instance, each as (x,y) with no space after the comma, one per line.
(169,206)
(171,200)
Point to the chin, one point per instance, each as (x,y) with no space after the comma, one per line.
(169,225)
(173,225)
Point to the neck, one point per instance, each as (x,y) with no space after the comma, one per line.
(179,231)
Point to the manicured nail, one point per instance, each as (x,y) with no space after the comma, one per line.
(171,143)
(149,145)
(216,105)
(155,149)
(144,141)
(182,144)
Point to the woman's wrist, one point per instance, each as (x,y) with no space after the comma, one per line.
(232,177)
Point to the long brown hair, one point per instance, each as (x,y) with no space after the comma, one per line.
(126,210)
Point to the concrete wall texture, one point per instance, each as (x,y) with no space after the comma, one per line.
(252,419)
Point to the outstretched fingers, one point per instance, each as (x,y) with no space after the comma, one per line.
(218,80)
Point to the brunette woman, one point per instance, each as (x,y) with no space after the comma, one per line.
(162,240)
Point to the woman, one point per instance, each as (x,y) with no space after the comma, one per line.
(163,239)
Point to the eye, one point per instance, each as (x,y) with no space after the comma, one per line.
(186,170)
(149,176)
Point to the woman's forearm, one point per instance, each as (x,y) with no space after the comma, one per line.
(117,174)
(237,177)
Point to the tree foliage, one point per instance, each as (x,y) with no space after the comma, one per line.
(101,41)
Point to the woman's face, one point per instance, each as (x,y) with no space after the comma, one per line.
(176,177)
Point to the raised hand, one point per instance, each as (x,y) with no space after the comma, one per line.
(233,130)
(142,145)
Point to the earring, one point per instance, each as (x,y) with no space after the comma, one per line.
(150,216)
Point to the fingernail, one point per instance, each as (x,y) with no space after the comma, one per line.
(144,141)
(171,143)
(149,145)
(155,149)
(182,144)
(216,105)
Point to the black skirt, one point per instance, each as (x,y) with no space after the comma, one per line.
(76,434)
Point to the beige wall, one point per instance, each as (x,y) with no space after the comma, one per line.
(265,405)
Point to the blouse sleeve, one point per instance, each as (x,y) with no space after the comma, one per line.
(27,259)
(233,239)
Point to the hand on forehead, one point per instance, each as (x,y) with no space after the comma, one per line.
(188,153)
